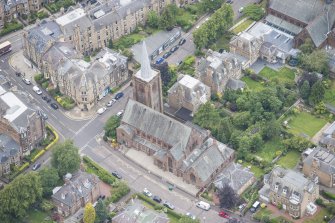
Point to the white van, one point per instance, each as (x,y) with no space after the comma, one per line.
(37,90)
(203,205)
(255,206)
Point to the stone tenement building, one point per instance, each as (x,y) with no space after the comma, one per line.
(290,189)
(327,139)
(319,165)
(21,130)
(312,19)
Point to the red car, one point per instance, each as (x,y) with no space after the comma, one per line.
(223,214)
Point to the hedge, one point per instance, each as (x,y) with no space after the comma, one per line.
(328,195)
(38,155)
(104,175)
(23,167)
(54,141)
(119,191)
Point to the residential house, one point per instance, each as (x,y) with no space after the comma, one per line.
(77,191)
(217,69)
(9,154)
(239,178)
(327,138)
(188,93)
(291,191)
(319,165)
(136,212)
(312,19)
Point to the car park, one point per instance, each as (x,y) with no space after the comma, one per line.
(203,205)
(110,103)
(166,55)
(174,49)
(36,166)
(118,95)
(223,214)
(116,174)
(101,110)
(157,199)
(37,90)
(147,193)
(182,41)
(54,106)
(26,81)
(159,60)
(168,205)
(119,114)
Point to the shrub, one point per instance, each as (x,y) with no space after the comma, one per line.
(104,175)
(119,191)
(328,195)
(38,155)
(319,202)
(46,205)
(45,84)
(10,27)
(23,167)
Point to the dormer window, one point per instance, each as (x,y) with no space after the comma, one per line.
(284,190)
(276,186)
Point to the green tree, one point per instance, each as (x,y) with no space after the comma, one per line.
(89,213)
(186,219)
(305,90)
(101,212)
(271,129)
(49,180)
(297,143)
(317,93)
(168,17)
(18,196)
(111,125)
(65,158)
(210,5)
(307,47)
(255,12)
(317,61)
(153,19)
(320,108)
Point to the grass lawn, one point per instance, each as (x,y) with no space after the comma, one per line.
(255,169)
(128,40)
(283,75)
(262,213)
(305,123)
(37,216)
(290,160)
(253,85)
(269,149)
(318,217)
(243,26)
(330,94)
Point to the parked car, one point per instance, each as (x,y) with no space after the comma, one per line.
(37,90)
(188,214)
(118,95)
(119,114)
(168,205)
(44,97)
(43,115)
(54,106)
(159,60)
(255,206)
(48,100)
(36,166)
(230,1)
(101,110)
(157,199)
(166,55)
(241,10)
(116,174)
(110,103)
(242,206)
(203,205)
(182,41)
(174,49)
(26,81)
(223,214)
(18,74)
(146,192)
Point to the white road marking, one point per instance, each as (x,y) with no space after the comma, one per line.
(53,116)
(81,129)
(5,72)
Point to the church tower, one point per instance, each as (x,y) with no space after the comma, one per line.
(148,84)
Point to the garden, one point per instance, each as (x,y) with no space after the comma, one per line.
(330,94)
(253,84)
(58,4)
(243,26)
(289,160)
(10,27)
(284,75)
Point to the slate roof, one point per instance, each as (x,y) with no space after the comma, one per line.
(207,159)
(276,21)
(325,159)
(79,186)
(235,175)
(235,84)
(8,148)
(156,124)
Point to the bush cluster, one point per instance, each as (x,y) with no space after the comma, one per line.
(10,27)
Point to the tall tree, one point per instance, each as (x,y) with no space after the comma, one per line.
(89,213)
(307,47)
(101,212)
(227,197)
(305,90)
(255,12)
(153,19)
(168,17)
(111,125)
(65,158)
(18,196)
(317,61)
(49,180)
(211,5)
(317,93)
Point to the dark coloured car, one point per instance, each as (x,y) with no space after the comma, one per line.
(36,166)
(159,60)
(182,41)
(116,174)
(174,49)
(167,55)
(119,95)
(48,100)
(157,199)
(44,97)
(230,1)
(54,106)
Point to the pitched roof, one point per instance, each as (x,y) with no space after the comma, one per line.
(325,159)
(156,124)
(8,147)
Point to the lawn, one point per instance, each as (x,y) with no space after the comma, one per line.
(318,217)
(269,149)
(37,216)
(330,94)
(253,85)
(305,123)
(255,169)
(128,40)
(243,26)
(284,75)
(290,160)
